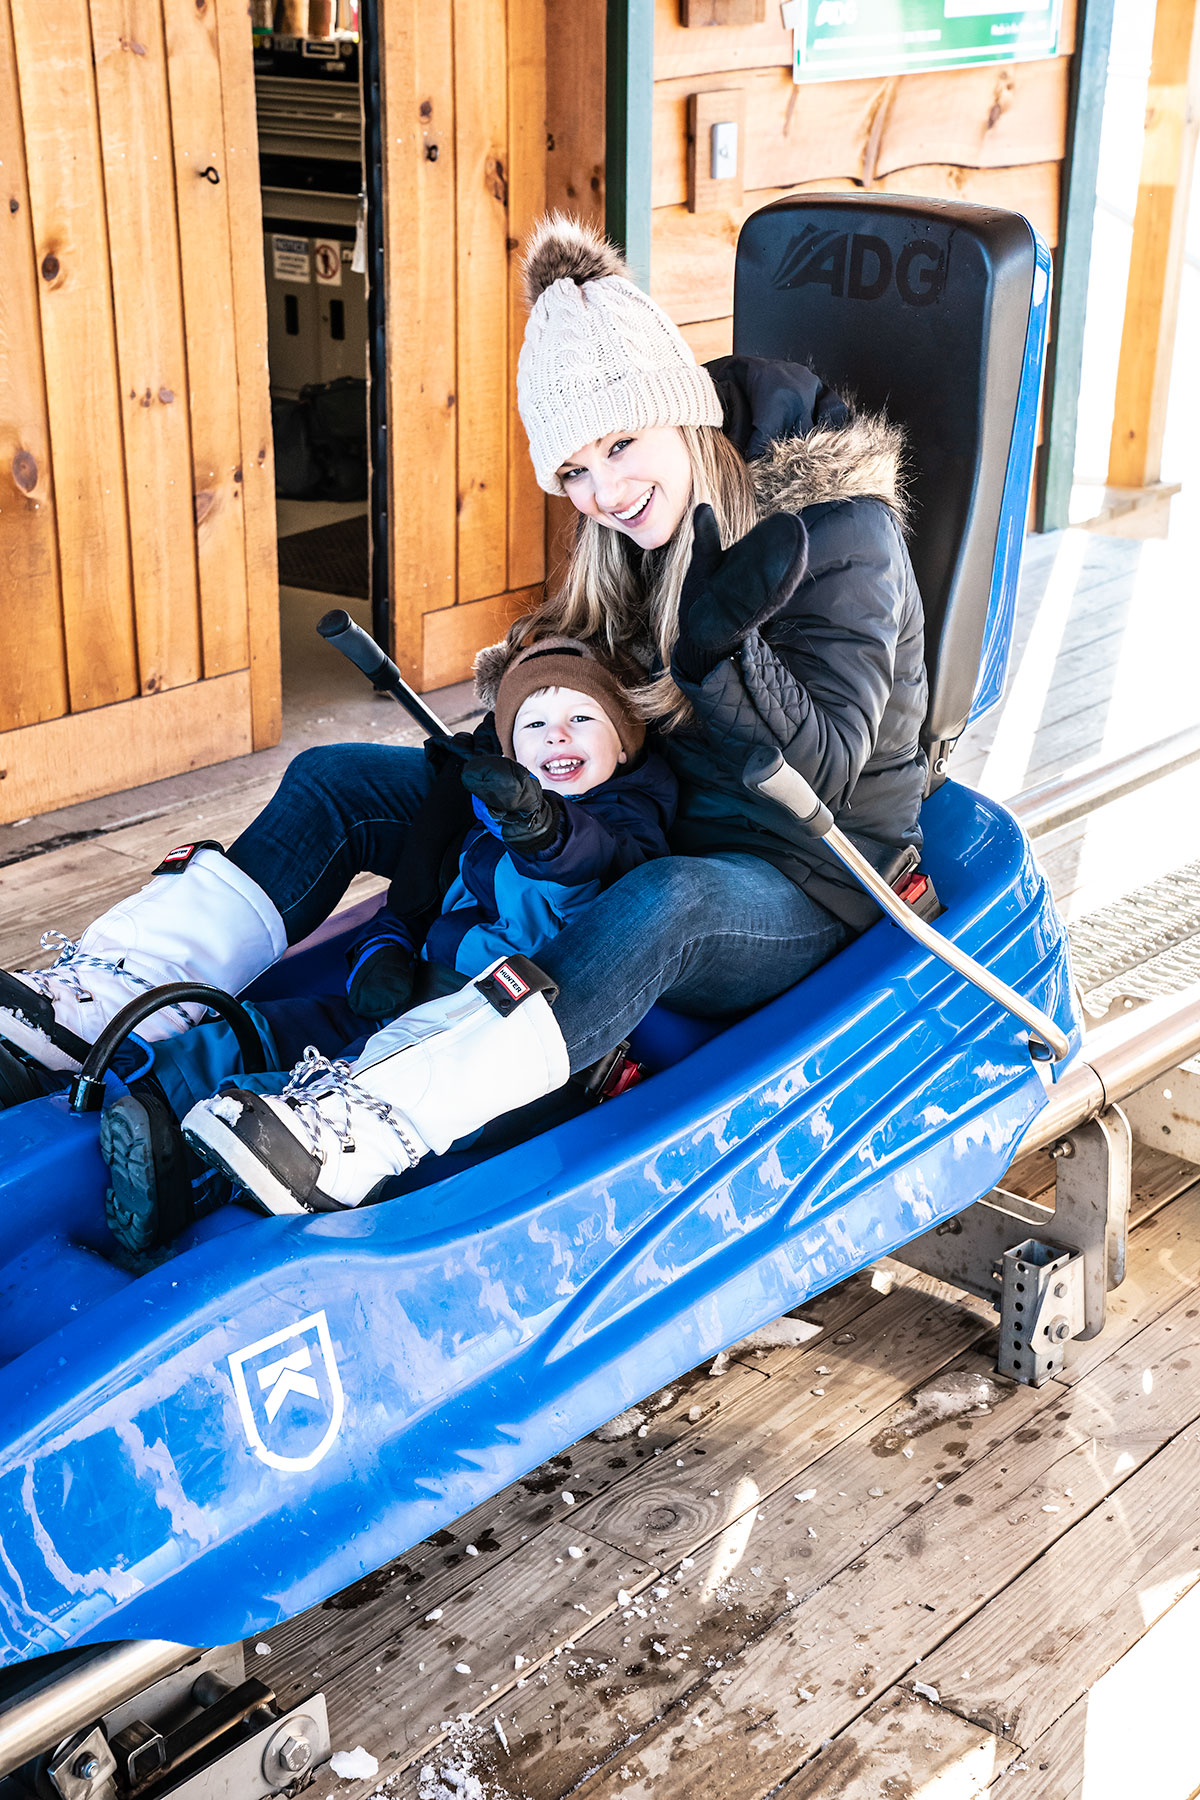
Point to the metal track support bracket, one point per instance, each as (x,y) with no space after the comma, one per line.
(1087,1227)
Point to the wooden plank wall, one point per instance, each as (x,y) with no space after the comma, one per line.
(465,179)
(127,424)
(994,135)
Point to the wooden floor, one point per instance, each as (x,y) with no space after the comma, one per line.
(828,1570)
(817,1574)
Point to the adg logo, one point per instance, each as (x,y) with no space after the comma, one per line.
(289,1394)
(858,265)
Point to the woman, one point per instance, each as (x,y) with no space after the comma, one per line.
(740,533)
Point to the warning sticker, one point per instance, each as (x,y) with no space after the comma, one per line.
(327,261)
(291,258)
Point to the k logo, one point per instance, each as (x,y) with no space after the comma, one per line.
(289,1394)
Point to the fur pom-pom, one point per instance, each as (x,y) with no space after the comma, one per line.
(565,248)
(490,664)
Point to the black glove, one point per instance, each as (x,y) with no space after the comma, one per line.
(380,982)
(527,815)
(729,593)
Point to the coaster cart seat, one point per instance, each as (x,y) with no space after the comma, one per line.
(196,1449)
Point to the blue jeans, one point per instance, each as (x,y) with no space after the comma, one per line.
(713,936)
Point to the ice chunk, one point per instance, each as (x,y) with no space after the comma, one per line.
(780,1332)
(623,1426)
(926,1692)
(353,1765)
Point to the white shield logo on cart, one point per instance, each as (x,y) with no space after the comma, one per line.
(289,1394)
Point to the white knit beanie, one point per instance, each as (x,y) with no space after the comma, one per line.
(599,355)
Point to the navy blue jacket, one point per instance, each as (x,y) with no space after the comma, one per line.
(499,901)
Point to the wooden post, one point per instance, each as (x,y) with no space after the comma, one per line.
(1089,75)
(629,69)
(1156,265)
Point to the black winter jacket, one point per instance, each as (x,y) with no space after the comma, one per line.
(837,680)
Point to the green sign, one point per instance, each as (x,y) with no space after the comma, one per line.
(837,40)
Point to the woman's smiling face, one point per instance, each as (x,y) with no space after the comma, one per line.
(637,482)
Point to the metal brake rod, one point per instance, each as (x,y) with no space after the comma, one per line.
(770,774)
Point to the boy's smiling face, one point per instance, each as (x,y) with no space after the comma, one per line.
(567,740)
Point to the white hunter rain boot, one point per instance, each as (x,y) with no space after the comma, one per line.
(444,1069)
(198,919)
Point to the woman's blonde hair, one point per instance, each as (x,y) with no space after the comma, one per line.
(615,595)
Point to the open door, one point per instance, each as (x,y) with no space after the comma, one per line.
(139,631)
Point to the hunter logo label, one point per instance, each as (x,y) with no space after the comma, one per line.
(858,265)
(289,1394)
(510,981)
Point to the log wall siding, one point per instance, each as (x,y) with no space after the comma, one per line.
(465,179)
(132,263)
(994,135)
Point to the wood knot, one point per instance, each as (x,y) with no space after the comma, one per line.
(427,109)
(25,471)
(203,502)
(132,45)
(14,205)
(661,1519)
(166,396)
(496,180)
(147,398)
(50,267)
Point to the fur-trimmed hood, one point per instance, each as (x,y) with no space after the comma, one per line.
(859,460)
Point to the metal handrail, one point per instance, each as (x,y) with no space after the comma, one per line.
(769,774)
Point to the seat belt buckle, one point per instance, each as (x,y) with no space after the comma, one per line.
(918,892)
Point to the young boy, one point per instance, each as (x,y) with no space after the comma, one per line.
(503,852)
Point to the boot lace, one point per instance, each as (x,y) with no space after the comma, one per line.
(68,964)
(317,1079)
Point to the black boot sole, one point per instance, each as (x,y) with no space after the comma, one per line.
(151,1200)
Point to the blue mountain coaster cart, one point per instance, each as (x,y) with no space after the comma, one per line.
(184,1445)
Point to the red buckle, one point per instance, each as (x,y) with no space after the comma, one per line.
(625,1075)
(913,889)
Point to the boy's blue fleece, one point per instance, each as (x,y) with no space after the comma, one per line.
(501,901)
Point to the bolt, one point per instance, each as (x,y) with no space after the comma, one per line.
(1059,1330)
(1063,1150)
(87,1767)
(1060,1290)
(294,1754)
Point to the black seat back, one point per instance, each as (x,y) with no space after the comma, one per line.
(924,309)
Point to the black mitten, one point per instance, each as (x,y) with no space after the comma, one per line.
(729,593)
(527,815)
(380,982)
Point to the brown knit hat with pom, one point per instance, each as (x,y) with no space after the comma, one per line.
(564,662)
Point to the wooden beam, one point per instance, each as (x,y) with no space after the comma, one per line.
(1159,230)
(452,636)
(109,748)
(254,389)
(629,119)
(1072,265)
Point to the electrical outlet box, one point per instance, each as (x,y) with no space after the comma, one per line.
(725,150)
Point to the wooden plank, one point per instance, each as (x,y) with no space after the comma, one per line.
(704,112)
(903,1745)
(416,47)
(206,256)
(1032,189)
(453,635)
(1093,1595)
(709,338)
(253,383)
(481,210)
(808,1674)
(679,52)
(1072,268)
(723,12)
(107,748)
(575,108)
(526,204)
(865,1376)
(139,192)
(1159,241)
(980,118)
(33,670)
(66,196)
(1138,1716)
(871,1508)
